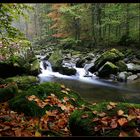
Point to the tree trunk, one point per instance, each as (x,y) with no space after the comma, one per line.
(127,19)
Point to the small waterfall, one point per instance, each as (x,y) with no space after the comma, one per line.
(45,66)
(82,75)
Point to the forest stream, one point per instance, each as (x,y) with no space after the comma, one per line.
(92,88)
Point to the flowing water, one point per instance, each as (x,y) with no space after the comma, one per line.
(91,88)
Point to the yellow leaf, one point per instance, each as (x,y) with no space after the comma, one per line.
(63,91)
(62,86)
(120,112)
(63,107)
(94,112)
(37,134)
(50,113)
(131,117)
(102,114)
(94,103)
(109,107)
(32,97)
(52,95)
(67,89)
(112,104)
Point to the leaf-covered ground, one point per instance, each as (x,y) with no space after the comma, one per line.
(98,119)
(107,119)
(53,123)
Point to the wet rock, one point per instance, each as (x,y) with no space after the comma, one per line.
(34,68)
(132,77)
(80,63)
(66,71)
(90,57)
(122,77)
(9,70)
(107,69)
(121,65)
(112,55)
(134,68)
(138,74)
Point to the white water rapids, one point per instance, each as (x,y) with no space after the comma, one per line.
(90,86)
(81,75)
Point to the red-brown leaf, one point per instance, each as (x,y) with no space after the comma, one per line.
(123,134)
(18,132)
(113,124)
(122,121)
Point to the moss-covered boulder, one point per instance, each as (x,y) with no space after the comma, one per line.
(23,82)
(112,55)
(8,91)
(107,69)
(121,65)
(45,91)
(35,67)
(9,70)
(56,58)
(102,121)
(65,70)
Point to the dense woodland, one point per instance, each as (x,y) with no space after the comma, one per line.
(101,39)
(94,24)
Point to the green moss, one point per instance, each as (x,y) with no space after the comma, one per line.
(113,55)
(85,126)
(107,69)
(42,91)
(8,93)
(23,82)
(35,67)
(56,58)
(121,65)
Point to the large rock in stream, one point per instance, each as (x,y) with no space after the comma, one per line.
(112,55)
(134,68)
(107,69)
